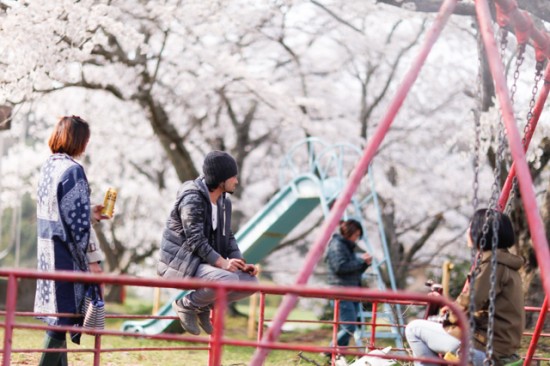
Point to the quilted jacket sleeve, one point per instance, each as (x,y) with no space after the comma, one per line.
(192,212)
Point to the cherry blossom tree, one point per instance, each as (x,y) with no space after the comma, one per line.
(162,83)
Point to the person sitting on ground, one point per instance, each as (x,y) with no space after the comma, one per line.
(428,339)
(345,269)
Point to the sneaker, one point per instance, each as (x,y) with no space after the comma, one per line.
(204,320)
(188,317)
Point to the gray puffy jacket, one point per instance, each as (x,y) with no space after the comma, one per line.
(188,238)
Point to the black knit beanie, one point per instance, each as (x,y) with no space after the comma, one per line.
(218,166)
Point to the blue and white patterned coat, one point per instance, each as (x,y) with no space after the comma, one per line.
(66,241)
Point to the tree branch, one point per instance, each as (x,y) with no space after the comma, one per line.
(337,17)
(424,238)
(85,84)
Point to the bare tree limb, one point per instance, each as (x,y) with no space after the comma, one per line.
(336,16)
(365,114)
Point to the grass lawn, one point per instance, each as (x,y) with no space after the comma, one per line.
(235,328)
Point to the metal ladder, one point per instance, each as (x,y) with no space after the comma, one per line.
(331,164)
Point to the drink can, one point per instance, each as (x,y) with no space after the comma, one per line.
(109,202)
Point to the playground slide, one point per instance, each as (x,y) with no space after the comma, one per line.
(259,236)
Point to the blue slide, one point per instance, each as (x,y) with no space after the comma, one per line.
(317,173)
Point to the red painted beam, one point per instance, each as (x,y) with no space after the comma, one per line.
(522,23)
(534,219)
(537,110)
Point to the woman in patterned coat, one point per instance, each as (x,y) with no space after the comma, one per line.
(66,240)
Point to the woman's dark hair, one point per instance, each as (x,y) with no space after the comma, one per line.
(506,237)
(350,227)
(69,136)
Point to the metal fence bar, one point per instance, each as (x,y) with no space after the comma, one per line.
(537,332)
(11,303)
(217,341)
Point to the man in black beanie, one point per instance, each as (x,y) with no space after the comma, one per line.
(197,241)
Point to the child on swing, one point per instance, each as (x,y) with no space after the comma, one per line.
(428,339)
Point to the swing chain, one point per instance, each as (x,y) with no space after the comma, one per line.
(538,77)
(491,215)
(519,62)
(503,42)
(532,102)
(477,142)
(476,254)
(474,259)
(495,193)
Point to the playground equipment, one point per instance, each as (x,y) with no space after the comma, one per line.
(312,174)
(211,348)
(520,23)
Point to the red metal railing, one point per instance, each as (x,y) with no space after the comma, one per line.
(214,344)
(537,332)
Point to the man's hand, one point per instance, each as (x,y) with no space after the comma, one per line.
(232,264)
(250,269)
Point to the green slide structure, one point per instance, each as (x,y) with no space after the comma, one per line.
(317,184)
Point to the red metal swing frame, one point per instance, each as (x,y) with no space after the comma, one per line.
(522,26)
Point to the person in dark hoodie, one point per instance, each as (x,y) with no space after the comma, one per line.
(428,339)
(345,269)
(198,242)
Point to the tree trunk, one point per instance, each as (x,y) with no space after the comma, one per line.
(169,138)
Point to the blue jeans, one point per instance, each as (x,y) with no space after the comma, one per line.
(349,311)
(428,339)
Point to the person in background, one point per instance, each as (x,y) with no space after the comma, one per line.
(345,269)
(197,241)
(428,339)
(66,240)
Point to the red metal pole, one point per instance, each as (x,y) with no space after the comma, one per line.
(318,248)
(536,334)
(335,326)
(11,303)
(215,351)
(537,110)
(534,220)
(97,350)
(261,316)
(373,326)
